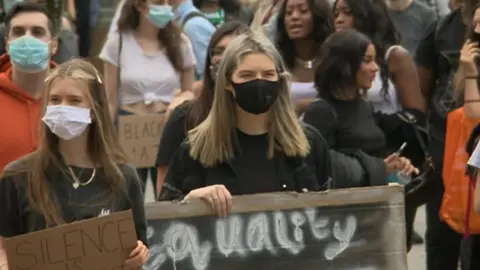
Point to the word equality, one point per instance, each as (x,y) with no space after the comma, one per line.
(240,236)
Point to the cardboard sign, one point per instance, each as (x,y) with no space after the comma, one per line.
(351,229)
(139,135)
(102,243)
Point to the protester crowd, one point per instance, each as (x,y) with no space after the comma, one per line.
(287,95)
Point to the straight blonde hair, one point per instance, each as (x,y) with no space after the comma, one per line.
(211,142)
(103,147)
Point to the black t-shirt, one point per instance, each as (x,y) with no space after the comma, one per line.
(251,168)
(439,51)
(347,125)
(256,173)
(174,132)
(90,201)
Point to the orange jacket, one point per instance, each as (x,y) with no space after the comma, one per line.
(455,205)
(20,117)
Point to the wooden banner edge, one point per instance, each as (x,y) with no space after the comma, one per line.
(391,195)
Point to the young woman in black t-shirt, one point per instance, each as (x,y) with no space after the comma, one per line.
(78,171)
(190,114)
(346,68)
(251,141)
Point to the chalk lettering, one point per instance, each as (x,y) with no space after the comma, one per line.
(67,244)
(258,234)
(29,257)
(182,241)
(318,226)
(343,236)
(157,256)
(281,232)
(229,235)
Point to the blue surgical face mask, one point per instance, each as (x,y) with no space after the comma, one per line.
(160,15)
(8,4)
(29,54)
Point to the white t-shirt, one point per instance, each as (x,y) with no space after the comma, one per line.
(144,77)
(375,94)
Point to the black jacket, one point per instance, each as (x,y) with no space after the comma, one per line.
(320,170)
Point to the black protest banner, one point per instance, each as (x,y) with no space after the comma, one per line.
(139,136)
(361,229)
(102,243)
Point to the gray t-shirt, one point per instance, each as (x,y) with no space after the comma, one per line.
(411,23)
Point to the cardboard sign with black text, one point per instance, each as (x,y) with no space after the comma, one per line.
(139,136)
(102,243)
(351,229)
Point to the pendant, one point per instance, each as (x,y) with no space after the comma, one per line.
(309,64)
(75,185)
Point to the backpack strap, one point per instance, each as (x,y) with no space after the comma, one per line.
(192,15)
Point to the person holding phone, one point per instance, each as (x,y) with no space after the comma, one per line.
(341,112)
(466,79)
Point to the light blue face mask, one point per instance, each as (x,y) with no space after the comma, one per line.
(160,15)
(29,54)
(8,4)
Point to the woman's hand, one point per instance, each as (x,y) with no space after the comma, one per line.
(138,257)
(395,163)
(217,196)
(181,98)
(469,52)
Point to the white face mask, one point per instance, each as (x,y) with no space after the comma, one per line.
(67,122)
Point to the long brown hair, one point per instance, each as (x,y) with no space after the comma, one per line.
(201,106)
(212,142)
(170,37)
(103,148)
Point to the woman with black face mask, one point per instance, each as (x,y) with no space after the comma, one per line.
(189,114)
(251,141)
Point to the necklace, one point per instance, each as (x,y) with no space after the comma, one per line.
(306,64)
(76,182)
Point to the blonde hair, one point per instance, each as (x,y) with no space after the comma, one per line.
(211,142)
(103,148)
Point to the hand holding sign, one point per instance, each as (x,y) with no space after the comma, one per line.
(138,257)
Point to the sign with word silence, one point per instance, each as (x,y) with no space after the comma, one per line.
(139,135)
(102,243)
(351,229)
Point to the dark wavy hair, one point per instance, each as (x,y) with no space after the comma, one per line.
(339,61)
(372,19)
(202,105)
(322,28)
(229,6)
(170,36)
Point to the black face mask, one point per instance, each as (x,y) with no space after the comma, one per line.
(256,96)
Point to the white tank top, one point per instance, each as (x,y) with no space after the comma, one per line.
(376,96)
(302,90)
